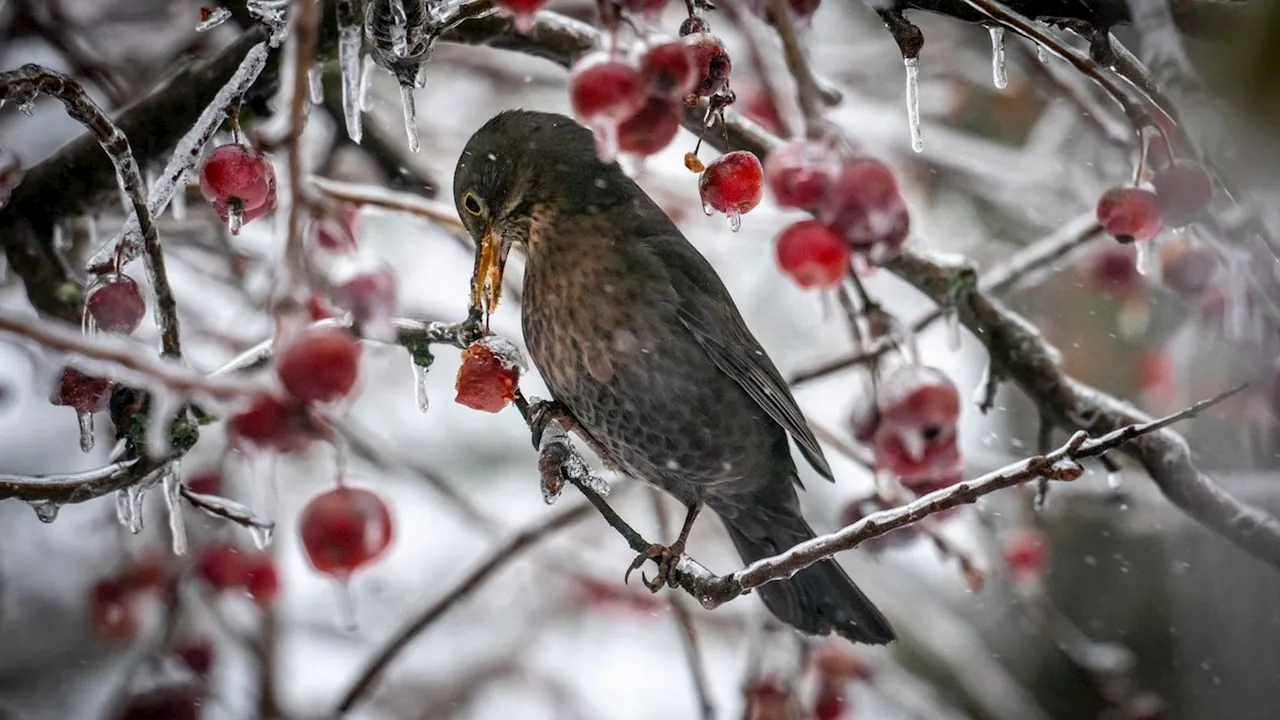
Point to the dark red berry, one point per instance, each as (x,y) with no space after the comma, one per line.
(863,204)
(830,704)
(320,365)
(605,90)
(85,393)
(1183,192)
(669,68)
(918,396)
(115,303)
(812,255)
(196,655)
(222,566)
(1026,553)
(318,309)
(712,63)
(369,294)
(343,529)
(1115,270)
(652,129)
(272,423)
(261,579)
(485,380)
(206,482)
(766,700)
(163,704)
(732,183)
(111,616)
(799,173)
(804,9)
(238,175)
(1128,214)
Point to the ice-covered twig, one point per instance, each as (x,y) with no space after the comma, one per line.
(302,40)
(755,43)
(363,194)
(501,556)
(127,355)
(21,86)
(227,509)
(806,85)
(68,487)
(1023,268)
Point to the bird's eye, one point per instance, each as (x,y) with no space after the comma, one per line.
(472,203)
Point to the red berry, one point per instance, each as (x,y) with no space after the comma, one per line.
(115,303)
(1026,553)
(206,482)
(669,69)
(803,9)
(196,655)
(1183,192)
(110,615)
(273,424)
(916,436)
(318,309)
(163,704)
(1187,270)
(712,62)
(863,204)
(918,396)
(1128,214)
(766,700)
(238,174)
(1115,270)
(85,393)
(651,129)
(222,566)
(605,90)
(148,573)
(812,255)
(732,183)
(333,236)
(486,381)
(799,174)
(370,294)
(830,704)
(320,365)
(757,105)
(261,579)
(344,529)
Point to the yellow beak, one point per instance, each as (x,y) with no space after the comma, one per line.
(486,279)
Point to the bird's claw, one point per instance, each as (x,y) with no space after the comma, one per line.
(668,558)
(543,412)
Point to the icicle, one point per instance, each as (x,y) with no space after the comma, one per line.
(135,494)
(262,535)
(124,509)
(346,603)
(420,386)
(86,431)
(46,511)
(235,217)
(179,203)
(1145,256)
(1041,54)
(735,221)
(410,115)
(216,17)
(315,84)
(353,82)
(980,392)
(1114,478)
(173,501)
(953,328)
(913,102)
(366,83)
(706,208)
(27,107)
(998,74)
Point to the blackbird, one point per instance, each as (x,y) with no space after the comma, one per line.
(638,338)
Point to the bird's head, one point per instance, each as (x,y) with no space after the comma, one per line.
(520,172)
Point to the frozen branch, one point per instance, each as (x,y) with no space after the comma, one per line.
(227,510)
(21,87)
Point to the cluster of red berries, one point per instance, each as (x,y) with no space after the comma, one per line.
(226,567)
(321,365)
(489,374)
(113,601)
(1181,193)
(858,207)
(834,666)
(239,182)
(635,104)
(911,425)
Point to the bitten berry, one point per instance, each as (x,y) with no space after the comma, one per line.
(812,255)
(732,183)
(320,365)
(85,393)
(1129,214)
(799,173)
(344,529)
(240,183)
(1183,192)
(486,380)
(712,62)
(115,303)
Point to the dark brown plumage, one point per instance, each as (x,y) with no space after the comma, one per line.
(635,333)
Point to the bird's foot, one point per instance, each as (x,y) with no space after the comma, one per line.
(545,411)
(668,559)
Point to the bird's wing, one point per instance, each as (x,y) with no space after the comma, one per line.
(707,310)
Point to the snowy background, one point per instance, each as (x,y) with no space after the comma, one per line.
(999,170)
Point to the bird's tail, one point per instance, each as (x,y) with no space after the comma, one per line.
(818,599)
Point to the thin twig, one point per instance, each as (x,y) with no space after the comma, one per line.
(684,625)
(226,509)
(806,85)
(501,556)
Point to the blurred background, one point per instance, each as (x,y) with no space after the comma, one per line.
(1106,603)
